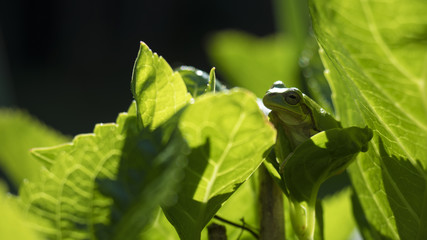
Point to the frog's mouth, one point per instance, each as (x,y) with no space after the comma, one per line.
(273,101)
(293,119)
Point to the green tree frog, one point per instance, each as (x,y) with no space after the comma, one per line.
(311,146)
(298,115)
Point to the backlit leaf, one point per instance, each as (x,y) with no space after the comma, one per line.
(255,63)
(375,55)
(228,135)
(159,92)
(19,132)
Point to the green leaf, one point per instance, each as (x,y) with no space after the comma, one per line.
(212,81)
(317,87)
(19,133)
(255,63)
(242,208)
(148,175)
(159,229)
(322,156)
(13,222)
(66,196)
(375,55)
(48,155)
(366,230)
(198,81)
(228,135)
(107,184)
(159,92)
(337,211)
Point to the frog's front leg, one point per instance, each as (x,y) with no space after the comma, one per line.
(314,161)
(283,163)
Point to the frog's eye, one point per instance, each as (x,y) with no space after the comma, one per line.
(292,97)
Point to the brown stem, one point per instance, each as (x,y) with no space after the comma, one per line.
(271,201)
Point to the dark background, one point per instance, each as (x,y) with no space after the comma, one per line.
(69,63)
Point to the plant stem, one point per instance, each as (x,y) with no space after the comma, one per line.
(272,214)
(237,225)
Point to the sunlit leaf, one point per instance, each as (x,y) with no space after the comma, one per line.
(337,211)
(108,184)
(159,92)
(159,229)
(66,196)
(13,222)
(375,55)
(228,135)
(19,132)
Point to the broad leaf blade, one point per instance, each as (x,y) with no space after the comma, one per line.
(337,212)
(107,184)
(160,229)
(255,63)
(148,174)
(66,196)
(241,208)
(366,230)
(19,132)
(228,135)
(159,92)
(13,222)
(374,52)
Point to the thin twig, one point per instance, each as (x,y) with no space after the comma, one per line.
(237,225)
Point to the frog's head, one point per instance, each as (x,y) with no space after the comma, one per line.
(285,101)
